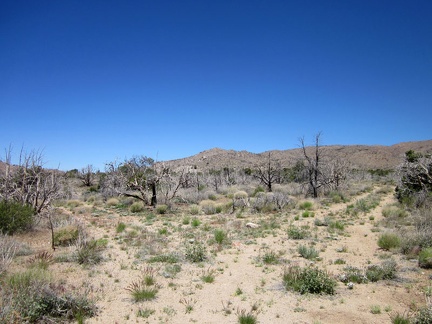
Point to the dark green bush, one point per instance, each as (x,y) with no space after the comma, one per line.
(425,258)
(308,280)
(389,241)
(15,217)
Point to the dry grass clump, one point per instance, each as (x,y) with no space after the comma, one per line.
(112,202)
(208,207)
(8,249)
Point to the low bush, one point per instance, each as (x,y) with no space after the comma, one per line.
(208,207)
(8,250)
(196,252)
(424,315)
(308,280)
(389,241)
(32,297)
(425,258)
(297,233)
(15,217)
(161,209)
(307,252)
(66,235)
(136,207)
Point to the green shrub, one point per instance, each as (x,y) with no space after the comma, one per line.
(308,280)
(220,236)
(32,297)
(307,252)
(400,319)
(137,207)
(244,317)
(424,315)
(389,241)
(66,236)
(270,258)
(195,222)
(196,252)
(425,258)
(15,217)
(306,205)
(90,252)
(161,209)
(165,258)
(120,227)
(297,233)
(194,210)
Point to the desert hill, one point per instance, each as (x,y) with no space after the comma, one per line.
(359,156)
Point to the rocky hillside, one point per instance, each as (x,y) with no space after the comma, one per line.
(359,156)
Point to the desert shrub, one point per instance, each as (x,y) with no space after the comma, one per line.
(306,205)
(389,241)
(8,250)
(297,233)
(73,203)
(164,258)
(195,222)
(194,210)
(353,274)
(41,260)
(208,207)
(143,290)
(393,211)
(90,252)
(337,197)
(307,252)
(270,257)
(424,315)
(196,252)
(112,202)
(136,207)
(66,235)
(425,258)
(308,213)
(15,217)
(398,318)
(212,195)
(32,296)
(308,280)
(244,317)
(220,236)
(120,227)
(335,225)
(161,209)
(240,195)
(257,190)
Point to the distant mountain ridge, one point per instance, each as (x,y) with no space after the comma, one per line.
(359,156)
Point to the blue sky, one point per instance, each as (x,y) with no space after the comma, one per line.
(89,82)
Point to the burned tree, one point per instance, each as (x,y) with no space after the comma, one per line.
(268,173)
(415,178)
(87,175)
(28,182)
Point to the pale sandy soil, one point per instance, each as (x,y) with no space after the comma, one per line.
(238,266)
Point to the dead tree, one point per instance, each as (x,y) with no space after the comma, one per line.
(28,182)
(87,175)
(315,177)
(137,177)
(268,172)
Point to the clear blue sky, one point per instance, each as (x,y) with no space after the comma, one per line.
(89,82)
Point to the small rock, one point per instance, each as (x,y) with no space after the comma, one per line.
(350,285)
(191,241)
(252,225)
